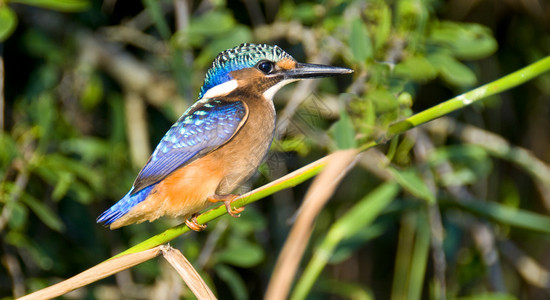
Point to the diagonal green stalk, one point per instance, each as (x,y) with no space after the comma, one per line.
(288,181)
(308,171)
(357,218)
(419,257)
(403,256)
(509,81)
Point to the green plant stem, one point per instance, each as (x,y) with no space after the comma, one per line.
(314,168)
(460,101)
(356,219)
(419,257)
(287,181)
(403,257)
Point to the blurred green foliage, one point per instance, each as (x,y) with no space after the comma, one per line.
(435,213)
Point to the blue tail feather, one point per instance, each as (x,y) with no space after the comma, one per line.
(123,206)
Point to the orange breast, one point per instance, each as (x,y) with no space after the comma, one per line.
(181,194)
(185,191)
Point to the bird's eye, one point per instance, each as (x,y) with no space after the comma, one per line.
(265,66)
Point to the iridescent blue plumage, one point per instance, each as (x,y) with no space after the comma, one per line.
(123,206)
(205,126)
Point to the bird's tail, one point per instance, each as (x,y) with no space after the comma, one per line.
(123,206)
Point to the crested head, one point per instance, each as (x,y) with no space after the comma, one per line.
(244,56)
(259,69)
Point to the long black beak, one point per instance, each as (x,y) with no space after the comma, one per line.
(302,71)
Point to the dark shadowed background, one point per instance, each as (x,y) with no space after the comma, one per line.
(90,87)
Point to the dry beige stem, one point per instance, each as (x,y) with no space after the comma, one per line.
(529,269)
(136,127)
(187,273)
(93,274)
(110,267)
(318,194)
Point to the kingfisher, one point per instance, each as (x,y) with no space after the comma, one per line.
(219,142)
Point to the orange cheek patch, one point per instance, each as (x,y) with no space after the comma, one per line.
(286,64)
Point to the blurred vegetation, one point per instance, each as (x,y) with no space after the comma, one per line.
(456,208)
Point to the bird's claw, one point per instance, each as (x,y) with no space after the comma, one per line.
(194,225)
(227,200)
(235,213)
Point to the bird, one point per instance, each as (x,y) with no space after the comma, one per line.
(218,142)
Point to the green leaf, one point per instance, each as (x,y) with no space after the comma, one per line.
(19,215)
(241,253)
(248,222)
(92,93)
(402,153)
(413,184)
(91,149)
(45,115)
(346,248)
(453,71)
(35,251)
(416,68)
(9,151)
(63,184)
(297,144)
(208,25)
(353,222)
(155,11)
(17,239)
(470,163)
(224,37)
(82,170)
(383,25)
(383,100)
(53,168)
(8,22)
(507,215)
(368,120)
(491,296)
(365,211)
(44,213)
(306,13)
(236,35)
(233,280)
(60,5)
(345,290)
(344,133)
(359,41)
(466,41)
(419,257)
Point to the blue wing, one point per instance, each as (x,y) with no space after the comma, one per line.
(204,127)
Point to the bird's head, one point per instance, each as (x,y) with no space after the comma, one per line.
(260,67)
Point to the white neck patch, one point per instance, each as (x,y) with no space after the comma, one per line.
(221,90)
(270,92)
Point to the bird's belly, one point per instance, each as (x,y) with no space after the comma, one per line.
(239,162)
(186,191)
(181,194)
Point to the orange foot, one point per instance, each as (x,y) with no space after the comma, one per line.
(227,200)
(194,225)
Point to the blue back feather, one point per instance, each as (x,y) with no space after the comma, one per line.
(205,126)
